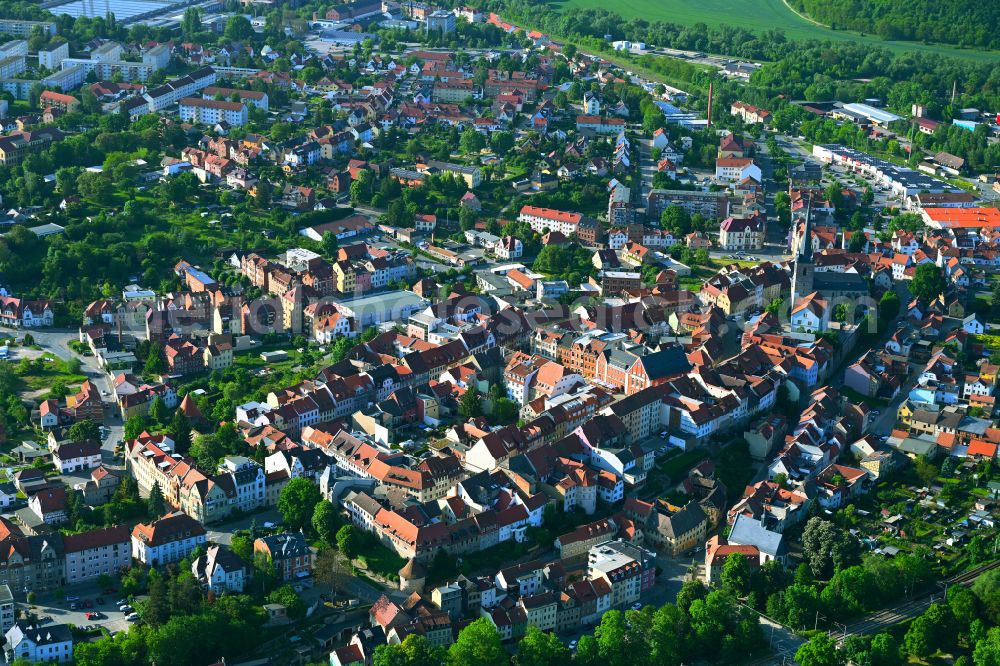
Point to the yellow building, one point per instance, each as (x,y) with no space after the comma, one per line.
(345,277)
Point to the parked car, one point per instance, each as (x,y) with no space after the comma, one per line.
(132,617)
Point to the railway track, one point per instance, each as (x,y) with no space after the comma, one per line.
(881,619)
(878,620)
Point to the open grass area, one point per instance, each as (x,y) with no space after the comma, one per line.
(381,561)
(47,371)
(677,466)
(759,15)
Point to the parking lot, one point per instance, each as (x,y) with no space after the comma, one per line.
(72,609)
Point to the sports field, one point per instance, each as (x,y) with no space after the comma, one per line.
(756,15)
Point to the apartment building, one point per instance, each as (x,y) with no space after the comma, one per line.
(212,112)
(168,539)
(96,553)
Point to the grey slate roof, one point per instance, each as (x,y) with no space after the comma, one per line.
(750,532)
(675,524)
(669,361)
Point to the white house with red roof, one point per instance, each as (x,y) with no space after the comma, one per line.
(736,168)
(508,247)
(551,219)
(739,233)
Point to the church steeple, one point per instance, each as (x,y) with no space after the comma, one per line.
(802,273)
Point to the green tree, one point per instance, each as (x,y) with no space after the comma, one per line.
(691,590)
(66,180)
(987,590)
(502,142)
(348,541)
(472,141)
(676,219)
(910,222)
(504,411)
(469,405)
(987,651)
(292,602)
(819,651)
(96,187)
(325,521)
(133,427)
(736,575)
(539,648)
(156,362)
(155,504)
(827,548)
(929,632)
(158,411)
(928,282)
(857,242)
(330,245)
(610,635)
(884,651)
(925,470)
(242,546)
(297,501)
(180,432)
(415,650)
(84,430)
(238,28)
(587,652)
(156,609)
(888,306)
(191,22)
(477,645)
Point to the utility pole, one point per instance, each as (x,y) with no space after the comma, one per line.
(954,87)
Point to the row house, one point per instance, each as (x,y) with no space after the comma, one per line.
(151,461)
(19,313)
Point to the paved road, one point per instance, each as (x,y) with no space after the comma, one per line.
(224,533)
(55,341)
(647,168)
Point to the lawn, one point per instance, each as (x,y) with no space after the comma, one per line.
(759,15)
(677,466)
(856,397)
(381,561)
(50,371)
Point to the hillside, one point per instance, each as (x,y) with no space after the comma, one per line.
(960,22)
(754,29)
(684,24)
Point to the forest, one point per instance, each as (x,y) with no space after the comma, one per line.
(961,22)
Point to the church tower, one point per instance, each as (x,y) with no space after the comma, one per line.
(802,273)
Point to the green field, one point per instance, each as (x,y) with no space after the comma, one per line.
(758,15)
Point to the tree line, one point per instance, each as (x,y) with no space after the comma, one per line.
(703,625)
(961,22)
